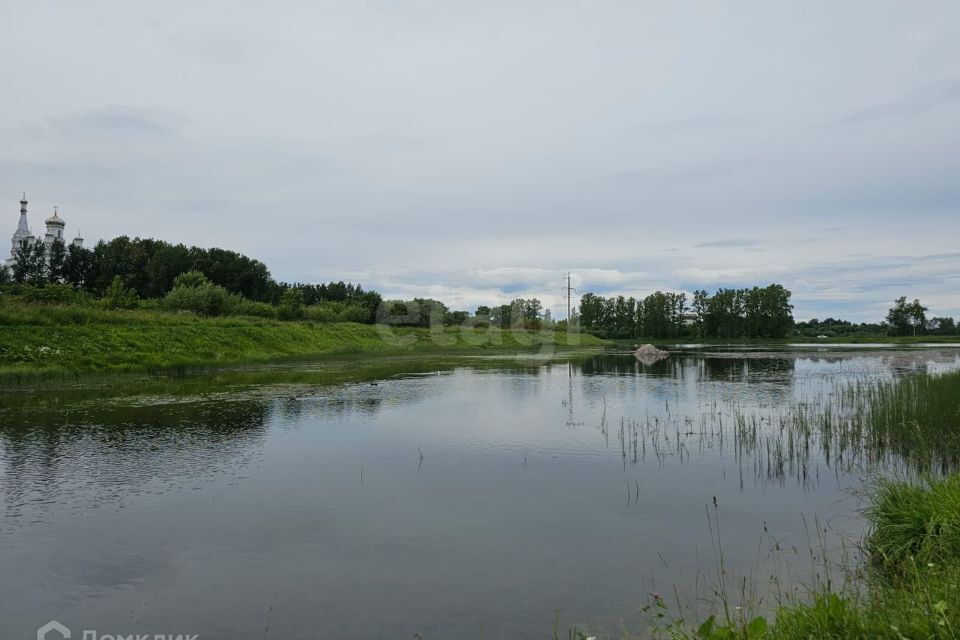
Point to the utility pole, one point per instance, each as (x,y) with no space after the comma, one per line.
(569,297)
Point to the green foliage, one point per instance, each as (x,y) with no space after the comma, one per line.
(521,313)
(291,305)
(252,308)
(832,328)
(347,294)
(907,318)
(30,262)
(942,327)
(190,279)
(226,282)
(150,266)
(756,629)
(419,312)
(96,339)
(730,313)
(206,299)
(61,294)
(914,525)
(336,312)
(118,296)
(55,261)
(830,616)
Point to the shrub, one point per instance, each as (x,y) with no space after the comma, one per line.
(190,279)
(245,307)
(117,296)
(62,294)
(204,300)
(291,305)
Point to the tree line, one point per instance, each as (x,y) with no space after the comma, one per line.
(729,313)
(123,271)
(910,319)
(521,313)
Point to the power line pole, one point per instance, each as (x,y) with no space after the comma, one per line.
(569,297)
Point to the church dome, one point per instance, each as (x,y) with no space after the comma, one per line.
(55,220)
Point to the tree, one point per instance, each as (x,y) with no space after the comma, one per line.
(942,326)
(918,316)
(118,296)
(729,313)
(22,258)
(700,309)
(291,305)
(898,317)
(190,279)
(56,261)
(78,267)
(483,315)
(906,318)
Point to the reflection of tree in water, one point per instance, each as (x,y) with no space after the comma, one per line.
(774,426)
(93,455)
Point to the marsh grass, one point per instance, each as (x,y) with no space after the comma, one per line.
(901,581)
(914,525)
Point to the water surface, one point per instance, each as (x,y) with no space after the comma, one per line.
(455,498)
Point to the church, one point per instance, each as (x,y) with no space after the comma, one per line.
(55,231)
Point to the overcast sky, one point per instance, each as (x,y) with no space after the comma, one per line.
(476,151)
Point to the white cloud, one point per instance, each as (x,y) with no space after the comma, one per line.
(463,148)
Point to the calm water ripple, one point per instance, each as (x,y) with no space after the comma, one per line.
(471,496)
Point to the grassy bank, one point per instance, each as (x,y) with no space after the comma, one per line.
(50,339)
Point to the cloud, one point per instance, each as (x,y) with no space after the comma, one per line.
(731,243)
(117,120)
(914,104)
(446,149)
(697,123)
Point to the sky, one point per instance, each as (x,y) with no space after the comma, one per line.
(476,152)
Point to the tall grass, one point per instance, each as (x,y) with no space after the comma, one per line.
(914,524)
(905,434)
(43,339)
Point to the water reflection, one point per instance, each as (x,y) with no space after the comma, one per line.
(435,497)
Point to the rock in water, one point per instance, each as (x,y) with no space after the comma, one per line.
(648,354)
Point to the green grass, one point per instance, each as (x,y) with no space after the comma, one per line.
(908,586)
(914,525)
(63,339)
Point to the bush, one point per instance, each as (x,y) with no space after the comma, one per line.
(204,300)
(190,279)
(291,305)
(118,296)
(337,312)
(245,307)
(61,294)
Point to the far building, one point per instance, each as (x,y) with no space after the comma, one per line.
(55,231)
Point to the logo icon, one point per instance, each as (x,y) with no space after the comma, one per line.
(53,625)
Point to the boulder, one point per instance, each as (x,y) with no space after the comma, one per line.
(648,354)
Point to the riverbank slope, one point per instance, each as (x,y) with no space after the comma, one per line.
(41,340)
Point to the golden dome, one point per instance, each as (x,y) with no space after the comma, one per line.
(55,219)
